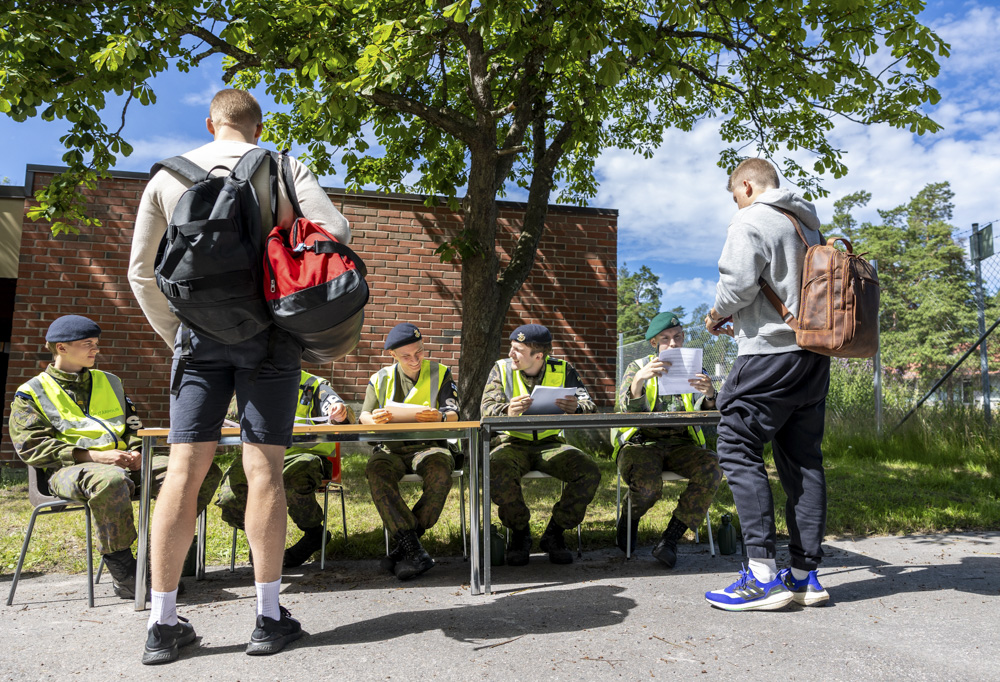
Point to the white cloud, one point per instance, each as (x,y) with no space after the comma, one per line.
(147,151)
(689,293)
(203,98)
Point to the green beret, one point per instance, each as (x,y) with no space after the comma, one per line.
(661,322)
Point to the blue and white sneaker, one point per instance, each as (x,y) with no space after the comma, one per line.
(749,594)
(807,591)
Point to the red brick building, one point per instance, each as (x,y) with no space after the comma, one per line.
(572,288)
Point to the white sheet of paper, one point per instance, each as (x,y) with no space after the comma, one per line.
(543,399)
(684,364)
(402,412)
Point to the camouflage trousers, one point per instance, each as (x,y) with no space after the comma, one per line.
(302,473)
(108,491)
(642,462)
(384,470)
(577,470)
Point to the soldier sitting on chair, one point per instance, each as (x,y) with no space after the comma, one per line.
(414,380)
(515,453)
(303,471)
(78,428)
(643,454)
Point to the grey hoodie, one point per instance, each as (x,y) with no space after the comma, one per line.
(762,242)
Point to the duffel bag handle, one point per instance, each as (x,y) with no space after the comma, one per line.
(330,246)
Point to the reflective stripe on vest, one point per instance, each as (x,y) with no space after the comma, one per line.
(621,436)
(513,386)
(302,412)
(425,389)
(102,428)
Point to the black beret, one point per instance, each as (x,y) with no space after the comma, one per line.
(401,335)
(531,333)
(71,328)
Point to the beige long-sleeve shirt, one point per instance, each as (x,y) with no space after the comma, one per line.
(163,192)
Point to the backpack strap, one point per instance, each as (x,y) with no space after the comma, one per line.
(246,167)
(769,293)
(182,359)
(286,176)
(189,170)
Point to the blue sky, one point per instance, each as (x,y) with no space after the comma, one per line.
(673,209)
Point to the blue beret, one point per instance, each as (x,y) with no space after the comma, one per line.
(661,322)
(531,333)
(71,328)
(401,335)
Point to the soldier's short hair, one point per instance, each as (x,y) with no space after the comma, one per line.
(52,348)
(236,109)
(760,172)
(543,348)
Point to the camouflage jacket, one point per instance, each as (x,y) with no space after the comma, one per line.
(38,443)
(664,403)
(495,403)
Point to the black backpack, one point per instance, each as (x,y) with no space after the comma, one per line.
(210,261)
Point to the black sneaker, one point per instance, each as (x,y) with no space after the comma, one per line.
(270,636)
(163,641)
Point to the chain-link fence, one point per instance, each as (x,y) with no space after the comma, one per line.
(878,393)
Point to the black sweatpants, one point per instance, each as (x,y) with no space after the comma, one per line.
(781,399)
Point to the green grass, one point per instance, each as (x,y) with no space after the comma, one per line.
(941,472)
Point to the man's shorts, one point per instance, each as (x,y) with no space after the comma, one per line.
(266,386)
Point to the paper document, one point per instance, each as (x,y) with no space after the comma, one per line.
(403,412)
(684,364)
(543,399)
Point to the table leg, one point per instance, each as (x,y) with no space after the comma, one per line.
(146,478)
(487,511)
(475,530)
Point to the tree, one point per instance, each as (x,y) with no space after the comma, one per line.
(479,97)
(928,308)
(638,301)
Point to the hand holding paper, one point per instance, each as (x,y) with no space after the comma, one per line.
(543,399)
(685,364)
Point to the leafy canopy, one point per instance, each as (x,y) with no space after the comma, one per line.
(478,95)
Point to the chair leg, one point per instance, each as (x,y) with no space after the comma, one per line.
(579,541)
(322,543)
(199,573)
(386,531)
(232,552)
(618,497)
(343,513)
(20,559)
(90,559)
(628,541)
(711,542)
(100,571)
(461,511)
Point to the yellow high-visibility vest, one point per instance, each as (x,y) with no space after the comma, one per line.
(513,386)
(621,436)
(102,427)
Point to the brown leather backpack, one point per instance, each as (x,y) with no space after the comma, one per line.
(838,301)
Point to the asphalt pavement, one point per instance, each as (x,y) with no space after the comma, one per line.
(921,607)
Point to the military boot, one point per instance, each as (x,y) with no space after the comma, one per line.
(519,548)
(633,533)
(388,562)
(122,565)
(310,543)
(666,548)
(553,543)
(415,559)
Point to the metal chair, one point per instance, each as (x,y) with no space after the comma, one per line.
(460,475)
(666,476)
(45,503)
(332,484)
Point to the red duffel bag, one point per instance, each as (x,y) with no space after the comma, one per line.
(315,287)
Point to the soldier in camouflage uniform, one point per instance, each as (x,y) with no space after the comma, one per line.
(303,472)
(514,454)
(643,454)
(77,427)
(413,380)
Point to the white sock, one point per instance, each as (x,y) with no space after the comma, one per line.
(267,599)
(764,570)
(163,608)
(799,574)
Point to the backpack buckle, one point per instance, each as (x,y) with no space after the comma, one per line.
(302,246)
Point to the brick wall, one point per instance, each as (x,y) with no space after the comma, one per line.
(572,290)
